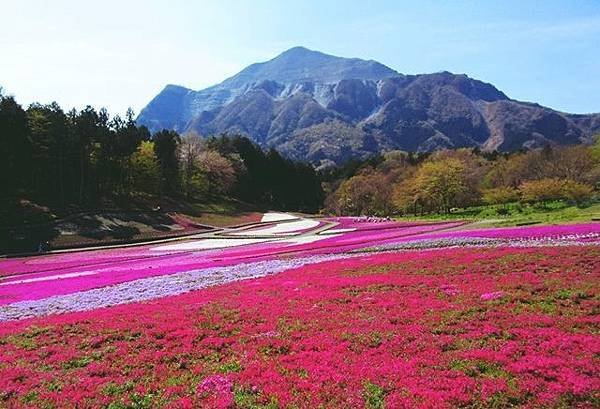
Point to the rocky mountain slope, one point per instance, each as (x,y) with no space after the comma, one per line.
(315,106)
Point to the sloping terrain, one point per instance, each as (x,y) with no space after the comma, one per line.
(331,312)
(139,220)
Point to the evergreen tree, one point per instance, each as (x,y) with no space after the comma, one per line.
(15,146)
(165,147)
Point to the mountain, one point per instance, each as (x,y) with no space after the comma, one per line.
(295,70)
(310,105)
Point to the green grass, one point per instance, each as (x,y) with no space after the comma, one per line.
(374,396)
(515,214)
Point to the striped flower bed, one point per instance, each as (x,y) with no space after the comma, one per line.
(445,328)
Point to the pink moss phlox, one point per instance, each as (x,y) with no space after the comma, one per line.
(216,389)
(491,296)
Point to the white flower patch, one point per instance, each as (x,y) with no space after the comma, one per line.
(277,217)
(208,244)
(281,228)
(336,231)
(307,239)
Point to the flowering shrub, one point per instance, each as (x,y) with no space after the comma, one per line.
(400,329)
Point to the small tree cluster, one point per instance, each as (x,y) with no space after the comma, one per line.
(399,182)
(544,190)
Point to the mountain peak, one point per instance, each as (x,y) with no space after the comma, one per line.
(299,53)
(298,50)
(300,64)
(175,88)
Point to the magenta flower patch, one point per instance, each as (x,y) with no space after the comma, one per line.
(404,315)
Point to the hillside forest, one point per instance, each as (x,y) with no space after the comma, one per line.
(81,156)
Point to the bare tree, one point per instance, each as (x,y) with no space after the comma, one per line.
(218,170)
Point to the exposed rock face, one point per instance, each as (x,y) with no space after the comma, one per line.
(314,106)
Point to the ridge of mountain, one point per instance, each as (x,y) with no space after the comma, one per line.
(311,105)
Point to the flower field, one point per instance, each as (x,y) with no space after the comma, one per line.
(372,314)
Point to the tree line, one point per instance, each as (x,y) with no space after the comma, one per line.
(414,184)
(81,156)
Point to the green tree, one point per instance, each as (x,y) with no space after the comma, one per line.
(368,193)
(500,195)
(125,139)
(145,169)
(407,198)
(541,190)
(166,146)
(86,124)
(577,192)
(15,145)
(50,139)
(473,169)
(508,171)
(441,182)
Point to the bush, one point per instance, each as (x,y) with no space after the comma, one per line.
(576,191)
(541,190)
(500,195)
(502,211)
(368,193)
(545,190)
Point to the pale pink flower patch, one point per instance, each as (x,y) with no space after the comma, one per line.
(491,296)
(217,390)
(449,289)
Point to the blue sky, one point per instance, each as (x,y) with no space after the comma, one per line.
(121,53)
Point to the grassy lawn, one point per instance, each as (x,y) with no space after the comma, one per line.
(515,214)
